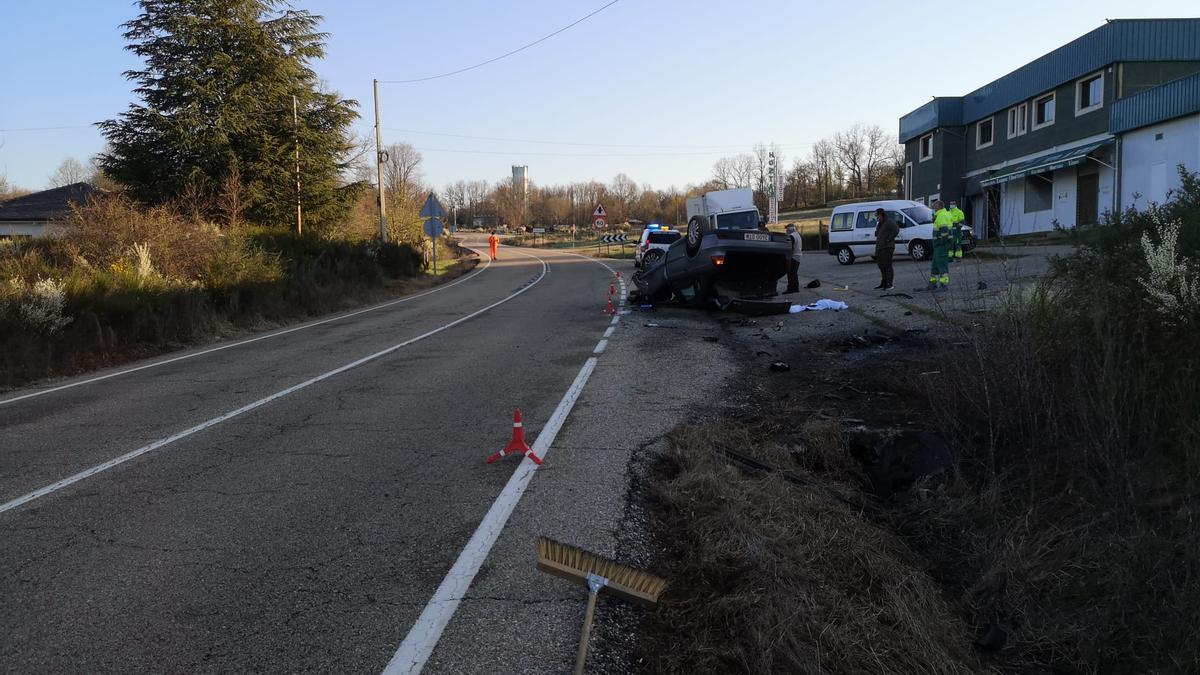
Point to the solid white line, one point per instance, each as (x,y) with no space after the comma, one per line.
(87,473)
(609,331)
(424,635)
(600,346)
(293,329)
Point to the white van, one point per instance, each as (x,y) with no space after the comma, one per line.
(852,230)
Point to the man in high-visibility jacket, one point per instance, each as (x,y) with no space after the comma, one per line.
(493,243)
(943,239)
(958,217)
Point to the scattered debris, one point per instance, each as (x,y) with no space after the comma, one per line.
(820,305)
(983,285)
(762,353)
(815,283)
(779,326)
(908,313)
(780,367)
(650,325)
(711,338)
(897,295)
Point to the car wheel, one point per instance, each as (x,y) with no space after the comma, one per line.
(695,235)
(651,257)
(918,250)
(845,256)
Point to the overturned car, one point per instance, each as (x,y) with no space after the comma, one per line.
(727,254)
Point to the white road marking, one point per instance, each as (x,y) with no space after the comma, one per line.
(609,331)
(424,635)
(87,473)
(600,346)
(293,329)
(615,319)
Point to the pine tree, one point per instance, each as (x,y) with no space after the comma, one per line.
(216,101)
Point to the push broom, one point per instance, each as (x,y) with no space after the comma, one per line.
(597,574)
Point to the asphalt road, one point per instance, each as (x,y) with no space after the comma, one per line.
(307,514)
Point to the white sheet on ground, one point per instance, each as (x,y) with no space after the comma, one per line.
(823,304)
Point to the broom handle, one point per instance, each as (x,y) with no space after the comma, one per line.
(587,633)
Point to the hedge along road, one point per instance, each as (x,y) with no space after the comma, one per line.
(308,532)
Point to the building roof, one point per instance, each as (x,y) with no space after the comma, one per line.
(48,204)
(1118,40)
(1158,104)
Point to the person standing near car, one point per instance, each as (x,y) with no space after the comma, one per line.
(793,273)
(957,216)
(493,244)
(886,231)
(939,272)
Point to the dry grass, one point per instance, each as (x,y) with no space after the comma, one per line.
(772,577)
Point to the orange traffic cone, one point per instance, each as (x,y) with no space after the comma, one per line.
(612,289)
(610,309)
(516,445)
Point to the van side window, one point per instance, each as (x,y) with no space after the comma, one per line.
(866,220)
(898,218)
(841,222)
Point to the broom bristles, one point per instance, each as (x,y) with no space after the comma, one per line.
(573,563)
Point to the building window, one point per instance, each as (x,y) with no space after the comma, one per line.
(1043,111)
(984,133)
(926,147)
(1039,192)
(1018,120)
(1089,93)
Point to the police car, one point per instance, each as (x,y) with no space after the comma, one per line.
(653,244)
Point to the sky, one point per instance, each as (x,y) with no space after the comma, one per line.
(656,89)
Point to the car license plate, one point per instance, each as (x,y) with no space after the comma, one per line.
(755,236)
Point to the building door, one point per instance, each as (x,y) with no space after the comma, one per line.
(991,220)
(1087,201)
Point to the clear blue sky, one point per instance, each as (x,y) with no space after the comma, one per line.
(643,72)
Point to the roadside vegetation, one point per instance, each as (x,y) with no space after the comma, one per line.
(1061,536)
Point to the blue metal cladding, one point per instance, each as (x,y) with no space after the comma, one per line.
(1115,41)
(944,111)
(1166,101)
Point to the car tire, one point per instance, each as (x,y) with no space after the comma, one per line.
(918,250)
(845,256)
(651,257)
(697,228)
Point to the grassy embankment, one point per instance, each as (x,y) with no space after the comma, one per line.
(126,281)
(1063,538)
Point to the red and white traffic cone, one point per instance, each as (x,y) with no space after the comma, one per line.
(610,310)
(612,289)
(516,445)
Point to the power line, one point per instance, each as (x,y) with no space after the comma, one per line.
(518,153)
(508,54)
(590,145)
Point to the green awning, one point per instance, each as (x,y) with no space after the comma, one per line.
(1048,162)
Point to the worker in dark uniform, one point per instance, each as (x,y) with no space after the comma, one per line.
(886,231)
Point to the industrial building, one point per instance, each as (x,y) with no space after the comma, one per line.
(1068,136)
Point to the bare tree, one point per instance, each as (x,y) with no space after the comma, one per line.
(877,145)
(455,196)
(624,192)
(823,157)
(70,171)
(402,172)
(851,148)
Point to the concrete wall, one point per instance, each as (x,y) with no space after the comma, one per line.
(1149,166)
(1064,194)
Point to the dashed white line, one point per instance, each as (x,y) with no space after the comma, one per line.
(87,473)
(293,329)
(600,347)
(609,331)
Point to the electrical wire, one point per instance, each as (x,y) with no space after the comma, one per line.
(505,55)
(518,153)
(589,145)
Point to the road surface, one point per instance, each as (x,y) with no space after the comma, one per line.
(294,502)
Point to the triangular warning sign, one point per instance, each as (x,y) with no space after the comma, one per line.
(599,212)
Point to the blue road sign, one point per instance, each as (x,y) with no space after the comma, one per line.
(433,208)
(434,227)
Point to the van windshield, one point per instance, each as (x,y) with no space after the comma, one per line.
(921,214)
(663,237)
(742,220)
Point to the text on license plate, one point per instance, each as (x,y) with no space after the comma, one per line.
(754,236)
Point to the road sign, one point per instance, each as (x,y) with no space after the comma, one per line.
(600,223)
(433,208)
(613,239)
(599,212)
(434,227)
(539,230)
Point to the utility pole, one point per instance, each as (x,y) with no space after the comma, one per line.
(296,123)
(380,156)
